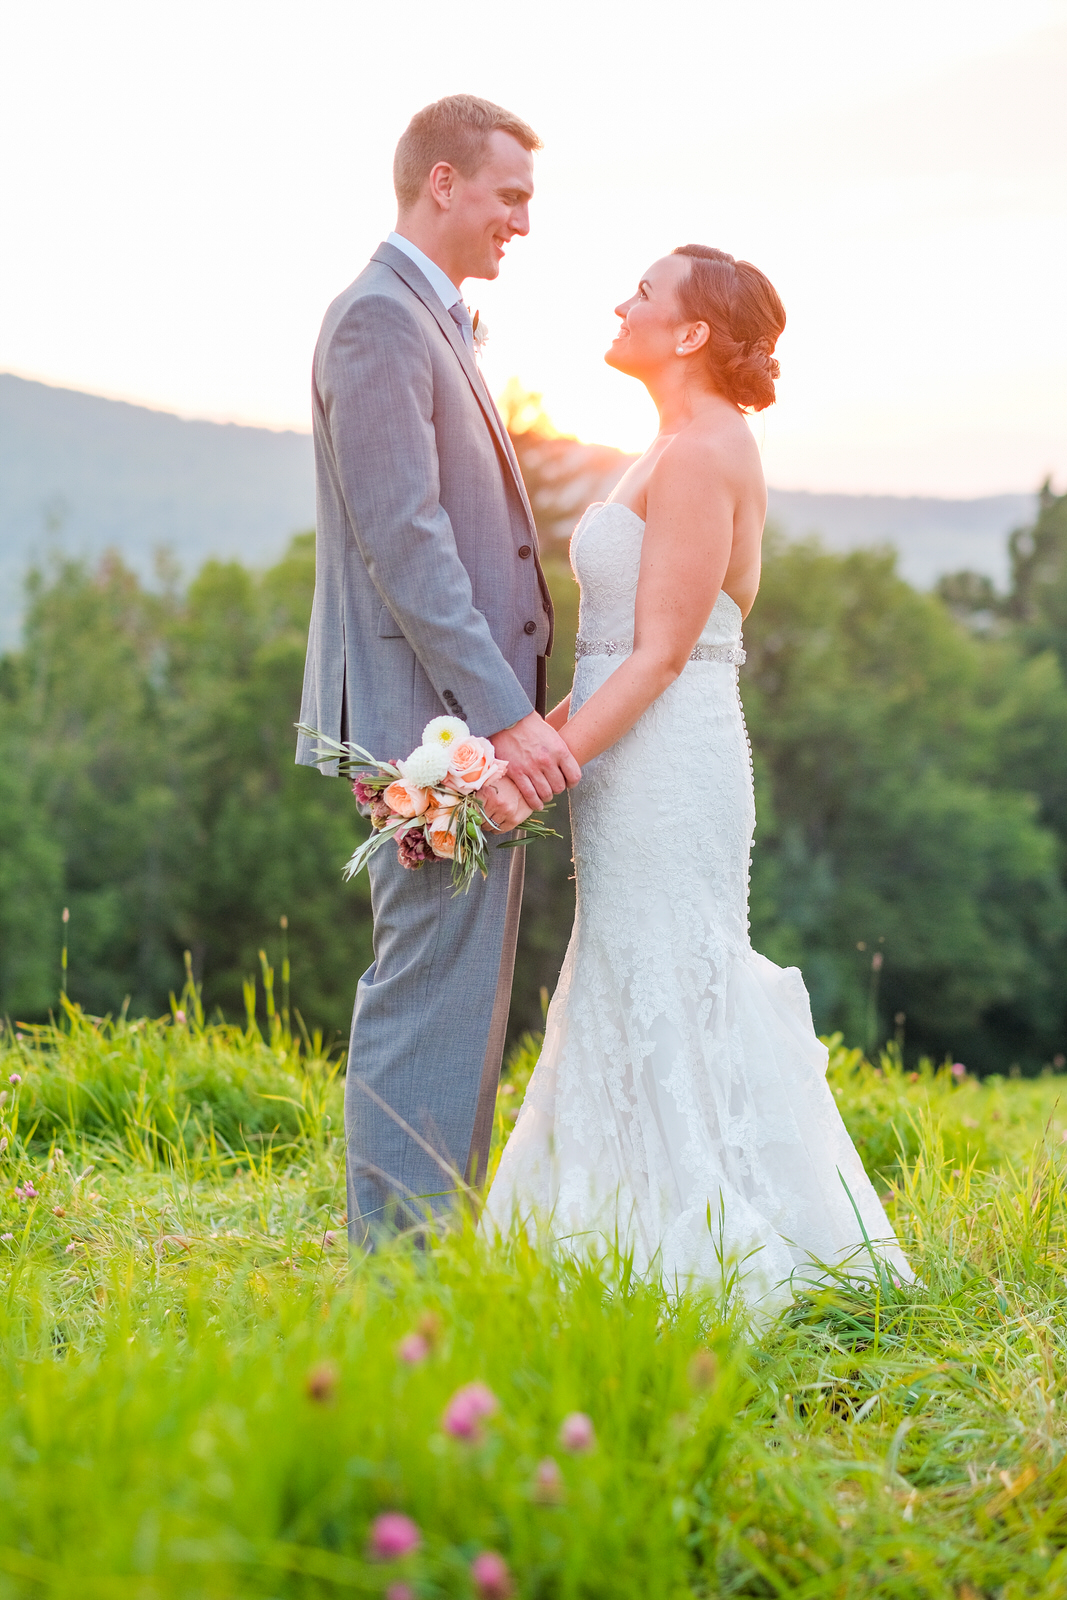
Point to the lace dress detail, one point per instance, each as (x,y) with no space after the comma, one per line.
(680,1101)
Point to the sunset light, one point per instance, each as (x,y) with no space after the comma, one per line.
(187,187)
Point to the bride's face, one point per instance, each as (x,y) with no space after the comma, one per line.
(652,323)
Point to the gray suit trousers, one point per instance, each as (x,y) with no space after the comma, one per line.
(427,1039)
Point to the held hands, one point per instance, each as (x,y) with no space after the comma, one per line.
(539,763)
(504,805)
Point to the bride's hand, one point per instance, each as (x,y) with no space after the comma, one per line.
(504,804)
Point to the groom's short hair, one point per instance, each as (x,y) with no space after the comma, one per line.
(455,130)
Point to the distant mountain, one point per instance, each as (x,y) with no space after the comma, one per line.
(932,536)
(79,474)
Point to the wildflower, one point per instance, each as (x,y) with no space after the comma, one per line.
(58,1211)
(413,1348)
(548,1481)
(330,1238)
(429,1325)
(959,1070)
(16,1077)
(71,1248)
(703,1370)
(400,1591)
(179,1015)
(464,1412)
(576,1433)
(492,1580)
(392,1535)
(321,1382)
(5,1238)
(27,1191)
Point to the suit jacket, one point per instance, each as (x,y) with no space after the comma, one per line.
(429,593)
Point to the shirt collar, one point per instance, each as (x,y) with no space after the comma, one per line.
(439,281)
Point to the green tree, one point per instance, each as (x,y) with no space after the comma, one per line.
(31,864)
(166,806)
(897,858)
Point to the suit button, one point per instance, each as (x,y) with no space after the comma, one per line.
(524,552)
(530,627)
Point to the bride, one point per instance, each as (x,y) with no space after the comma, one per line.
(680,1104)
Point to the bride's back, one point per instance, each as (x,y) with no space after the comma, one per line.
(716,454)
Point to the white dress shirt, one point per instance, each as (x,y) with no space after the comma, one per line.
(439,281)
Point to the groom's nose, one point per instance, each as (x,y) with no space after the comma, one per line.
(519,221)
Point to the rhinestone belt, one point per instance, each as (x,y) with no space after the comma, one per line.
(731,654)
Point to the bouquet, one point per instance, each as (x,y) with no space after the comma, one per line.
(429,803)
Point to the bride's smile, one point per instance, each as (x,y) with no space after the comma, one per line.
(654,331)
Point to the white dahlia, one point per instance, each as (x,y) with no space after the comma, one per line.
(427,765)
(445,731)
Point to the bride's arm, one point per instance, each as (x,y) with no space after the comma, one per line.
(684,556)
(559,714)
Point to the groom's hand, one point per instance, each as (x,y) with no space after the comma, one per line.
(539,762)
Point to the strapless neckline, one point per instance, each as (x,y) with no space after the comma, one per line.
(599,506)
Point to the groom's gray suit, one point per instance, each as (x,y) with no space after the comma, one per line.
(429,599)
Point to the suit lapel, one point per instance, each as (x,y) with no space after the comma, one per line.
(406,269)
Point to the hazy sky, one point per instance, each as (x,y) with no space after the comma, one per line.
(185,186)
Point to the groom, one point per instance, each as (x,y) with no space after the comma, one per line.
(429,600)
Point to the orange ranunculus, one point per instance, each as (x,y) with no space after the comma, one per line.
(472,763)
(442,843)
(406,799)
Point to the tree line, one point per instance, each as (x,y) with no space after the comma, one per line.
(911,767)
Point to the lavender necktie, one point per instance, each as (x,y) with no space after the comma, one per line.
(462,318)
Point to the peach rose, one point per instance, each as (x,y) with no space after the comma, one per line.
(441,829)
(472,763)
(405,799)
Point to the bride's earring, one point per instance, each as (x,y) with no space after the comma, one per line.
(679,350)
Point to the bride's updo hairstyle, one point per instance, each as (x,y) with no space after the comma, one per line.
(745,316)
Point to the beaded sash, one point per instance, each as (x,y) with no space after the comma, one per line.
(731,654)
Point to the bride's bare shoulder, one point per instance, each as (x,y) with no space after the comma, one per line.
(714,453)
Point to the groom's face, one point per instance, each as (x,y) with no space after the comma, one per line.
(491,207)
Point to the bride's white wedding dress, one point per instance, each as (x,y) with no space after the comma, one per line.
(681,1077)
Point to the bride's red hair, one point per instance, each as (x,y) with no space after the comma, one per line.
(742,309)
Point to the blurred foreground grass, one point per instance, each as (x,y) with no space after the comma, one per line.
(200,1398)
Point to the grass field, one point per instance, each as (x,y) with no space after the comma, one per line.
(200,1398)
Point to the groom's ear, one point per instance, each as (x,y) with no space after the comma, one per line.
(442,182)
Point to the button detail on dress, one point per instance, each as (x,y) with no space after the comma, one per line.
(525,551)
(529,627)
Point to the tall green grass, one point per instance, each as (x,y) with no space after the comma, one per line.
(201,1398)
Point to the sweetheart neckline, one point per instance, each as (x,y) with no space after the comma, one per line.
(603,505)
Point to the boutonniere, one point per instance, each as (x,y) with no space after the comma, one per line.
(481,332)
